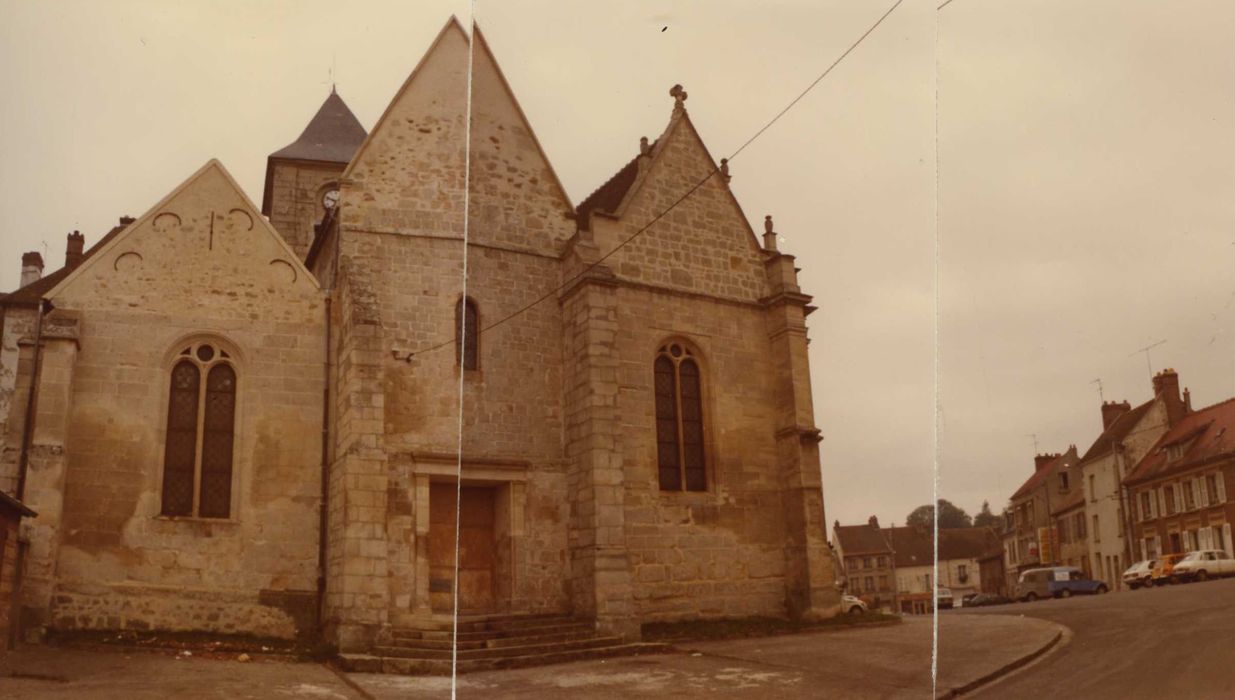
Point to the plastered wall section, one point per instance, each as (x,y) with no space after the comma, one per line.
(202,266)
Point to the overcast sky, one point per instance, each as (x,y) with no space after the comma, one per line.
(1085,183)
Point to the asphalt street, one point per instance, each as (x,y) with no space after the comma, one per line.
(1166,642)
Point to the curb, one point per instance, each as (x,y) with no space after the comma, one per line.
(1006,668)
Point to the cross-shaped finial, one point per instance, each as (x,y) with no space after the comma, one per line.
(679,97)
(644,148)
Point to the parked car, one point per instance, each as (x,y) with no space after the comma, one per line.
(1164,570)
(1140,574)
(1056,582)
(965,599)
(1205,564)
(945,598)
(980,599)
(853,605)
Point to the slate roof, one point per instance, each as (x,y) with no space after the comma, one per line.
(861,539)
(608,196)
(1074,498)
(1117,431)
(1207,434)
(30,294)
(332,136)
(915,547)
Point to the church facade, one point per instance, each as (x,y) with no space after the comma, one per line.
(268,421)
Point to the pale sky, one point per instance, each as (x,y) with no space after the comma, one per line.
(1085,177)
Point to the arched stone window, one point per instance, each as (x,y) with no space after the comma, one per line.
(679,420)
(201,426)
(467,338)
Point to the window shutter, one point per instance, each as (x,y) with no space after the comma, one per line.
(1226,540)
(1161,500)
(1206,536)
(1203,492)
(1157,545)
(1178,493)
(1221,489)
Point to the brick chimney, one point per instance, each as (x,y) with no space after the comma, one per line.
(31,268)
(1112,411)
(873,522)
(1040,461)
(1166,385)
(1187,401)
(74,249)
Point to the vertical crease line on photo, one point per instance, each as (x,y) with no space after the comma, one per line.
(938,419)
(467,173)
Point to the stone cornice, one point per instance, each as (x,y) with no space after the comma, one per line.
(805,433)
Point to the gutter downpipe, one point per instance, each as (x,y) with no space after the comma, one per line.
(27,433)
(323,517)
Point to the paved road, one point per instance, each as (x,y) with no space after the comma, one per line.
(1170,642)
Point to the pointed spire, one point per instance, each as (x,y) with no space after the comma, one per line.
(332,136)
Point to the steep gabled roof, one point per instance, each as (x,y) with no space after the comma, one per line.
(1041,475)
(1204,435)
(1075,497)
(1117,431)
(30,294)
(608,196)
(861,539)
(966,542)
(912,546)
(332,136)
(118,235)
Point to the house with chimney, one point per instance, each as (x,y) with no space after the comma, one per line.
(1127,435)
(1177,492)
(1030,538)
(867,557)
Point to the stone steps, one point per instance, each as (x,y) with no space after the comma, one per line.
(518,649)
(368,663)
(490,642)
(484,635)
(419,643)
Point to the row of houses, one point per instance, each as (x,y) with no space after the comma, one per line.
(1152,483)
(893,568)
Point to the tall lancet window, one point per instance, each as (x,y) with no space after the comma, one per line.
(679,420)
(201,424)
(467,340)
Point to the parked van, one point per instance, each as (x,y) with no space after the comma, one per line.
(1056,582)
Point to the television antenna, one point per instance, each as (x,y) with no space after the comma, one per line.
(1146,350)
(1100,396)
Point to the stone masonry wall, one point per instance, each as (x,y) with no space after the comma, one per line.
(296,199)
(210,272)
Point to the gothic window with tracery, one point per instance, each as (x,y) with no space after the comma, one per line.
(679,420)
(467,341)
(201,424)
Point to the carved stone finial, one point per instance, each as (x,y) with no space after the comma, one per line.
(769,236)
(679,97)
(645,149)
(724,168)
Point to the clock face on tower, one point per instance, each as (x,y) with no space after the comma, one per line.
(330,199)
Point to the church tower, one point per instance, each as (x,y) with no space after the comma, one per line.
(302,178)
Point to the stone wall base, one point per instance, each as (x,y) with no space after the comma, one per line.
(280,615)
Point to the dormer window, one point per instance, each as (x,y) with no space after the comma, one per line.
(1063,481)
(1174,452)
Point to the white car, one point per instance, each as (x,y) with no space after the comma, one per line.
(852,605)
(1205,564)
(945,598)
(1140,574)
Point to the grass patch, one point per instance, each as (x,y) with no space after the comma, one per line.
(745,627)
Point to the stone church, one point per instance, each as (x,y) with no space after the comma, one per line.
(245,420)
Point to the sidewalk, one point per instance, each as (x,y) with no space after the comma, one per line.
(866,662)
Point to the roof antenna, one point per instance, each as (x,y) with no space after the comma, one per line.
(1146,350)
(1099,383)
(1035,443)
